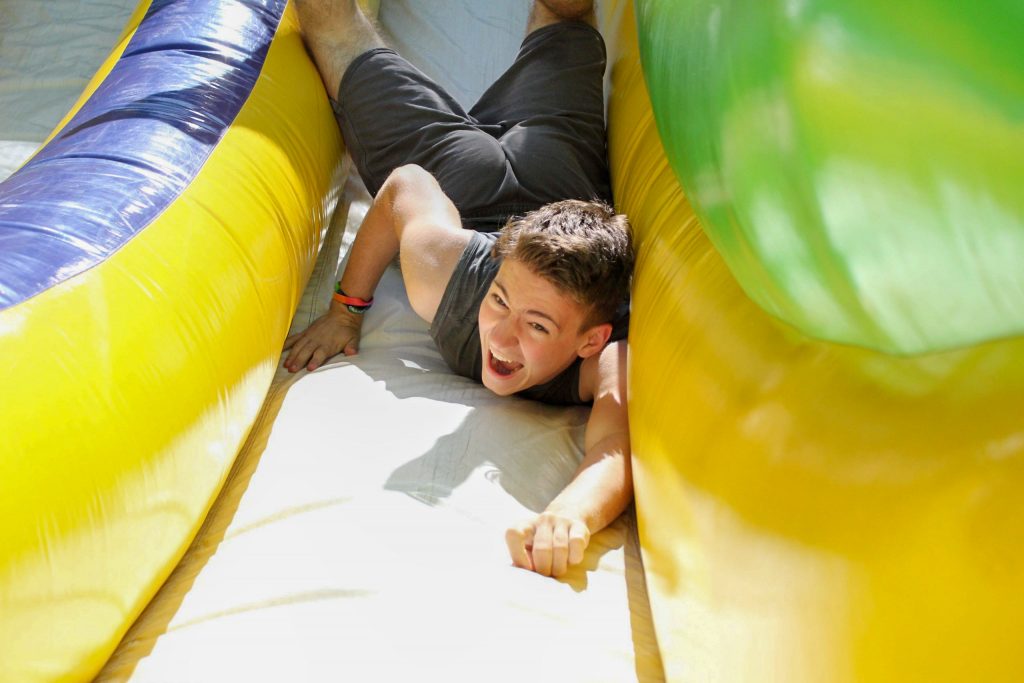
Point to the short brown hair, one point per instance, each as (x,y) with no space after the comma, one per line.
(583,248)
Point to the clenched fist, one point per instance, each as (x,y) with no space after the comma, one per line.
(548,544)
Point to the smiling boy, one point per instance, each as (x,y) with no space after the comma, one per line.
(533,312)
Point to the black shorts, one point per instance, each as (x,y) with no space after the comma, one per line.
(536,136)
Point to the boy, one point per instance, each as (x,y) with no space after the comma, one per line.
(536,317)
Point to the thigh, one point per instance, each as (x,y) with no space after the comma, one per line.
(559,70)
(392,114)
(548,111)
(554,159)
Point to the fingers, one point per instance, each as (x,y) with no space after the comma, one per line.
(308,353)
(317,359)
(328,335)
(519,539)
(549,545)
(322,353)
(542,551)
(299,356)
(579,538)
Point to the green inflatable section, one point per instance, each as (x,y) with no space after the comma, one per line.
(859,165)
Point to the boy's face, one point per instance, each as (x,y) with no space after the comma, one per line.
(530,330)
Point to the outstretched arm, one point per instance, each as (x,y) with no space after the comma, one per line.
(603,484)
(410,212)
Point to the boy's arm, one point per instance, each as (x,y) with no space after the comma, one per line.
(410,212)
(603,484)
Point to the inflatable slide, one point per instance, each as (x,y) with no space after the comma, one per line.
(827,383)
(827,372)
(132,375)
(347,523)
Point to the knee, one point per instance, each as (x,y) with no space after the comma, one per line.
(568,9)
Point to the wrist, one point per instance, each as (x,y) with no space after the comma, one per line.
(341,312)
(354,304)
(565,511)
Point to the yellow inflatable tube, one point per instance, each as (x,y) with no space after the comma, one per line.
(808,511)
(133,371)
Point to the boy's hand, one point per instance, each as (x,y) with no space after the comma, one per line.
(336,330)
(548,544)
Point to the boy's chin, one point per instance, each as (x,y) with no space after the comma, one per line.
(501,388)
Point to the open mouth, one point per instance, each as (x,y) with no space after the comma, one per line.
(503,366)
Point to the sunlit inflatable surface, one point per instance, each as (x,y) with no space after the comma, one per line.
(364,512)
(145,293)
(808,511)
(857,164)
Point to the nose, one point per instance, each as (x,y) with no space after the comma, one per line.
(503,334)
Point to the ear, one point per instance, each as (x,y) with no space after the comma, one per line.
(593,340)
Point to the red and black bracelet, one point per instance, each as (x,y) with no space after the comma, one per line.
(353,303)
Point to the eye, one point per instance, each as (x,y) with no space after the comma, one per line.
(498,300)
(540,328)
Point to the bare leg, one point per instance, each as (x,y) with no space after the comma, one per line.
(547,12)
(336,32)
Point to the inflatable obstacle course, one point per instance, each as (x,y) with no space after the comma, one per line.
(267,588)
(856,165)
(145,293)
(808,510)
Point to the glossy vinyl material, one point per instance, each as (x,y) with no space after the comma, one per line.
(857,164)
(808,511)
(130,381)
(359,536)
(134,145)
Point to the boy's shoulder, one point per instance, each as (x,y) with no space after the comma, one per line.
(470,277)
(604,372)
(454,328)
(429,254)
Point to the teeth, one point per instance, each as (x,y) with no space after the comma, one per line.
(500,358)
